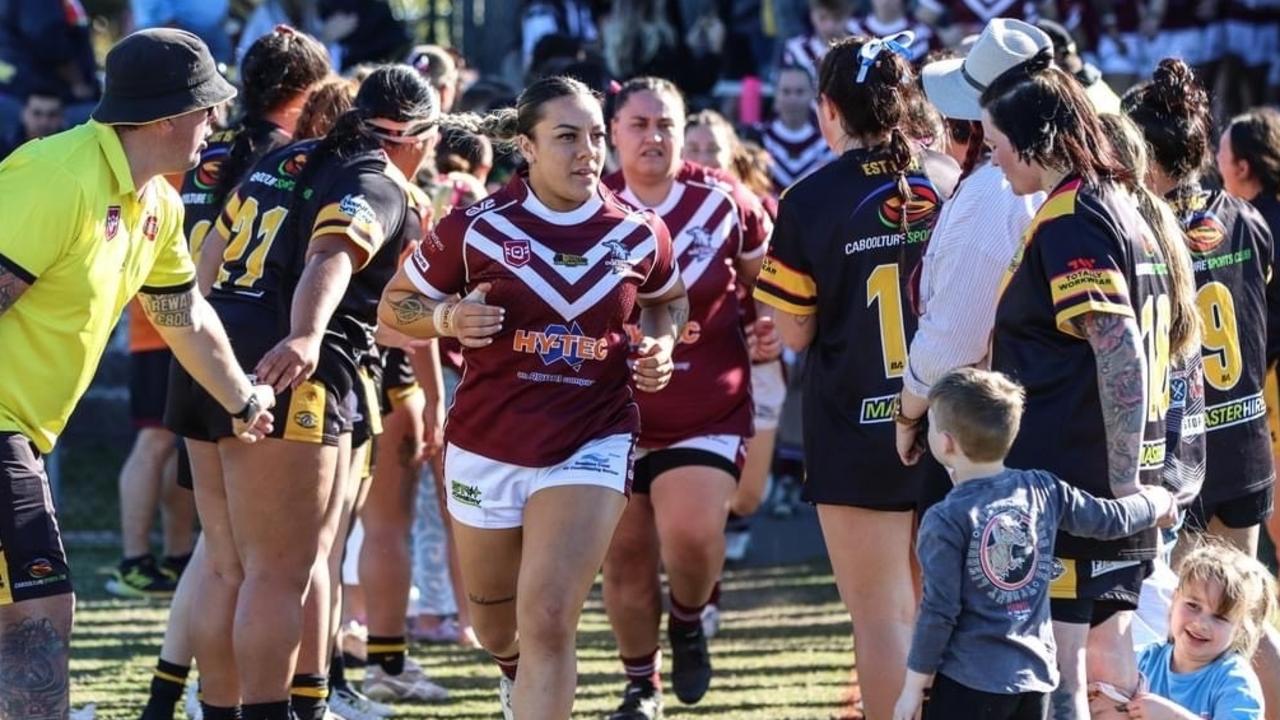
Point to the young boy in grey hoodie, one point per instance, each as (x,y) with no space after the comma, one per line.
(984,635)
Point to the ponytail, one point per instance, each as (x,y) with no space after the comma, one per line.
(1130,150)
(899,153)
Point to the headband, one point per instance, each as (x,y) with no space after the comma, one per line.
(399,131)
(898,43)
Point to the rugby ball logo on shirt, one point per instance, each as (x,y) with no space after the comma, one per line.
(920,209)
(112,224)
(292,165)
(516,252)
(1007,550)
(1205,233)
(208,173)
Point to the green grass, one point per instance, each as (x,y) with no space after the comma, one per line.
(784,653)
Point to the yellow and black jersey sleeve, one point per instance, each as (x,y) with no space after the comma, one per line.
(785,281)
(365,207)
(1083,266)
(227,217)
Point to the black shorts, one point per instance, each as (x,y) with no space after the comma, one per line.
(1091,591)
(310,413)
(185,478)
(33,563)
(949,699)
(1239,513)
(398,380)
(650,464)
(148,383)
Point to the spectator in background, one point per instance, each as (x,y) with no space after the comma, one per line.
(45,44)
(1067,57)
(890,17)
(793,137)
(437,65)
(41,117)
(204,18)
(640,39)
(955,19)
(831,20)
(303,15)
(572,18)
(376,35)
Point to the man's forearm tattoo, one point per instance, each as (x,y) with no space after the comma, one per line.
(33,671)
(168,309)
(410,309)
(1121,388)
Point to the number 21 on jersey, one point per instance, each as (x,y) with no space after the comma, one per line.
(251,237)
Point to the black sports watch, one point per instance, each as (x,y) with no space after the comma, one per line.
(250,409)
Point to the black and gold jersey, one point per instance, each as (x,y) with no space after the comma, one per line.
(840,252)
(367,201)
(203,194)
(1086,251)
(1231,250)
(259,256)
(1268,205)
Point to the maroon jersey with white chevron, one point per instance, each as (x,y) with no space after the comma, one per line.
(795,153)
(556,375)
(714,221)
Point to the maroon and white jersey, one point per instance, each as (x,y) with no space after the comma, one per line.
(556,375)
(924,41)
(976,13)
(795,153)
(807,51)
(714,221)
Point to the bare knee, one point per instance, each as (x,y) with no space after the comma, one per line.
(153,445)
(689,544)
(747,501)
(551,626)
(496,637)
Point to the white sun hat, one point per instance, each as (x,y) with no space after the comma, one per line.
(954,86)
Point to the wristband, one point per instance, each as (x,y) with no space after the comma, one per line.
(250,409)
(442,318)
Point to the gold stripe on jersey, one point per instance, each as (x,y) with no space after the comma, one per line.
(368,236)
(1065,288)
(1063,585)
(1064,317)
(305,420)
(227,217)
(786,288)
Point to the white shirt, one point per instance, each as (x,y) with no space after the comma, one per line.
(972,244)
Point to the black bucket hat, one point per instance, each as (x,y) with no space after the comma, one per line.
(157,74)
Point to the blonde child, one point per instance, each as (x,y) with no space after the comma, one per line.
(1220,609)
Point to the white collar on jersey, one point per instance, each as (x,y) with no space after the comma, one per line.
(661,209)
(581,214)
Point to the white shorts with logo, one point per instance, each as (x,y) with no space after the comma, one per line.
(487,493)
(768,392)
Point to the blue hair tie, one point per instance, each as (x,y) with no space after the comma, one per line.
(898,43)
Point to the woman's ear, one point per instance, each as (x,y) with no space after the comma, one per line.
(525,146)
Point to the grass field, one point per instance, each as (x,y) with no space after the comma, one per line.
(784,653)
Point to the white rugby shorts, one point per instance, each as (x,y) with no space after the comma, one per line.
(487,493)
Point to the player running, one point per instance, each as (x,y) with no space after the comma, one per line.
(693,433)
(540,434)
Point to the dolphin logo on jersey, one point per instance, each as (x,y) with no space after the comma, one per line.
(1205,233)
(558,343)
(921,209)
(701,246)
(620,258)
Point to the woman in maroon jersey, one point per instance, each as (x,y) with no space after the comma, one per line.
(693,434)
(540,435)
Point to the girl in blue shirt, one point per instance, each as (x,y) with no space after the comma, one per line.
(1220,609)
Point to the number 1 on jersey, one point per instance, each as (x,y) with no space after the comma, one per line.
(883,288)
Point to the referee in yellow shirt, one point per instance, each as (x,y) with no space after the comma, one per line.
(88,223)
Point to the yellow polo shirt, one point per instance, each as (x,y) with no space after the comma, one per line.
(76,229)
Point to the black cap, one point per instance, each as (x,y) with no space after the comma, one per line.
(159,73)
(1061,37)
